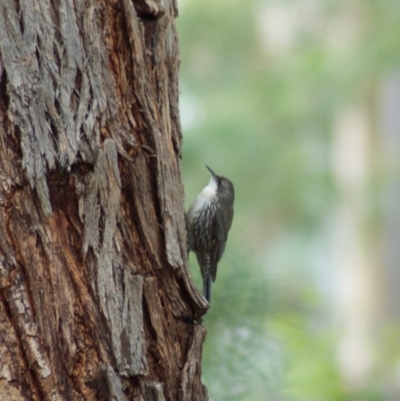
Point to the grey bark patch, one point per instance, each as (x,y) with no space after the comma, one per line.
(133,360)
(57,85)
(153,391)
(119,293)
(114,385)
(190,388)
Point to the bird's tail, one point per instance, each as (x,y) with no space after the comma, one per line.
(207,282)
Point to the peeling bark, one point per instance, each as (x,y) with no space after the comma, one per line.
(96,301)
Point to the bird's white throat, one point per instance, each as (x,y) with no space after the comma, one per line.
(210,190)
(206,196)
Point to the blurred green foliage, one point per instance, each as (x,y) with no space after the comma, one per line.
(264,118)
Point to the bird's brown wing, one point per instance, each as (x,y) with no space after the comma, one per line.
(222,224)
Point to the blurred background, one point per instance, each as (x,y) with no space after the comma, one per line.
(298,103)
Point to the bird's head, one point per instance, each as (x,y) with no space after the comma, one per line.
(220,186)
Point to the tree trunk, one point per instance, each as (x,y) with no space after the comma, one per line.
(96,301)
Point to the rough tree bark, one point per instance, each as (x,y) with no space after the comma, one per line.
(96,302)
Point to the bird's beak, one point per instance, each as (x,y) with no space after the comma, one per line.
(211,171)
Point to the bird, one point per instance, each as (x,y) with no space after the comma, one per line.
(208,221)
